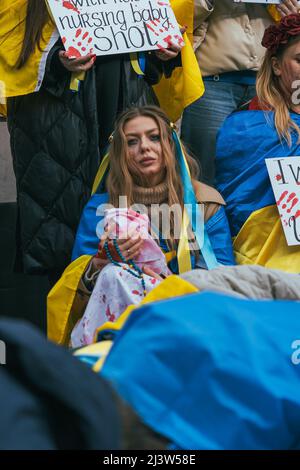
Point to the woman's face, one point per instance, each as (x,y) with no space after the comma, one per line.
(145,150)
(287,69)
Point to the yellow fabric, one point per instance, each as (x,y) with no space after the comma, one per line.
(100,173)
(170,255)
(261,241)
(99,350)
(12,29)
(186,84)
(183,251)
(75,79)
(274,12)
(135,64)
(171,287)
(60,300)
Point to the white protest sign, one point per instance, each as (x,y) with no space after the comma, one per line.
(266,2)
(105,27)
(284,174)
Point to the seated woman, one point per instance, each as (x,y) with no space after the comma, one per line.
(268,127)
(148,166)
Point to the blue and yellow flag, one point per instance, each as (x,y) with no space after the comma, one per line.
(176,364)
(246,139)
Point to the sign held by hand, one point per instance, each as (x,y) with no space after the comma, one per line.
(105,27)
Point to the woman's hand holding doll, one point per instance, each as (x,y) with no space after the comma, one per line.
(130,247)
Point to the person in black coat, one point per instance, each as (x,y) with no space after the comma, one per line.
(58,137)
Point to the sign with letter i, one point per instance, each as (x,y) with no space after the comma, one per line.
(284,174)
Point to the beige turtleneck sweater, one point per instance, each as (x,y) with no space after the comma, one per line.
(205,195)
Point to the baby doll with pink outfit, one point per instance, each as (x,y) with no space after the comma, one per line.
(119,285)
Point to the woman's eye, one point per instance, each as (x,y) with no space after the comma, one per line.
(155,138)
(131,142)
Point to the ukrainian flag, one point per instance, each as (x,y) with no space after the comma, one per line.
(244,141)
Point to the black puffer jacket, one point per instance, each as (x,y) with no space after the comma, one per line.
(56,151)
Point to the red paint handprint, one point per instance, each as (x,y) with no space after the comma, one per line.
(156,27)
(83,44)
(286,203)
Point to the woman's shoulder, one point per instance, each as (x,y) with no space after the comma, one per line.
(210,197)
(205,193)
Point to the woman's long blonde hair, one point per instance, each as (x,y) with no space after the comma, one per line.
(271,96)
(120,179)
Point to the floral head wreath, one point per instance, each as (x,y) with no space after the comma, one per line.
(281,33)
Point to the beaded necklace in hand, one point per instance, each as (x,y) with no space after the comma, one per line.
(132,267)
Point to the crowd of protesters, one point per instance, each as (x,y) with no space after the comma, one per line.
(89,130)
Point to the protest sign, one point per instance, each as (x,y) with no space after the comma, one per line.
(105,27)
(284,174)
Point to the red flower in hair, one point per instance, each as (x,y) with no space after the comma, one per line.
(276,35)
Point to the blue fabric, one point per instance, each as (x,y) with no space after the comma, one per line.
(209,371)
(87,240)
(244,141)
(241,77)
(195,214)
(142,62)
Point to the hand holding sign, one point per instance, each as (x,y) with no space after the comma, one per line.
(81,64)
(105,27)
(288,7)
(172,49)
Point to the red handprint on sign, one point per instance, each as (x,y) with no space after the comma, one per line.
(157,27)
(288,203)
(83,44)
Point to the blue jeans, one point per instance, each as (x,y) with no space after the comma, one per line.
(202,120)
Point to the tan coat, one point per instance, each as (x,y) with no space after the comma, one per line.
(227,35)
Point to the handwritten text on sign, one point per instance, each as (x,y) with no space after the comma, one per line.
(284,174)
(105,27)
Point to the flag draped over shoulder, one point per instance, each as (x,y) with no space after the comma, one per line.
(185,85)
(243,180)
(16,82)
